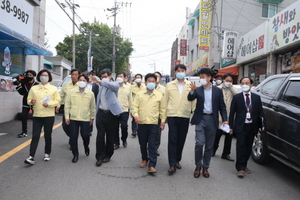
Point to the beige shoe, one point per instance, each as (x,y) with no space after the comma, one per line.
(247,171)
(241,173)
(151,170)
(144,163)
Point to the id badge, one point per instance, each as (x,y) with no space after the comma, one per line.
(248,115)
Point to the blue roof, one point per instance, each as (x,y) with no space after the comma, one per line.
(11,38)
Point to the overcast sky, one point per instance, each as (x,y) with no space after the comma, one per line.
(152,26)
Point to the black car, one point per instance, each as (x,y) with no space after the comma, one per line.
(280,95)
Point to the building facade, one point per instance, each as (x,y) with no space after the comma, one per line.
(22,29)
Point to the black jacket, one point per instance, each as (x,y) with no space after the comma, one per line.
(217,105)
(24,90)
(238,111)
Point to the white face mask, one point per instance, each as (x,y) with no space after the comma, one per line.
(120,80)
(81,84)
(218,82)
(227,84)
(44,79)
(138,80)
(245,88)
(203,81)
(105,79)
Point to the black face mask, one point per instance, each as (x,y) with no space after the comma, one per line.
(27,79)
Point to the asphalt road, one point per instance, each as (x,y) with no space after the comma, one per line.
(122,178)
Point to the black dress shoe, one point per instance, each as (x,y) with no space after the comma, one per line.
(99,163)
(87,151)
(157,153)
(75,159)
(133,134)
(106,160)
(125,144)
(178,165)
(116,146)
(172,170)
(227,157)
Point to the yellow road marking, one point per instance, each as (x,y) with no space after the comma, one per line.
(22,146)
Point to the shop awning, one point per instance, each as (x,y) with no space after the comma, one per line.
(10,38)
(191,22)
(233,70)
(196,14)
(48,64)
(270,1)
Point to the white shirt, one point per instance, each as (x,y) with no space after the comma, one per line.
(103,104)
(207,100)
(180,86)
(244,93)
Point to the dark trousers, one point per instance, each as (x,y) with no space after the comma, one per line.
(107,125)
(134,126)
(147,135)
(25,111)
(227,142)
(158,139)
(244,142)
(38,124)
(65,126)
(123,120)
(178,128)
(74,132)
(205,137)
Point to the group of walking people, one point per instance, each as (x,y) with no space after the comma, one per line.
(151,106)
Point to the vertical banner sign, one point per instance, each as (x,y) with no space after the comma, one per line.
(183,47)
(229,45)
(204,24)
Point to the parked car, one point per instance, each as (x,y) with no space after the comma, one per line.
(66,79)
(280,95)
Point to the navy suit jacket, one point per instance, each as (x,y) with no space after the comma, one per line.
(217,105)
(238,111)
(111,96)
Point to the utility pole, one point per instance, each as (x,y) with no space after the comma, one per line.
(212,33)
(114,40)
(73,7)
(89,54)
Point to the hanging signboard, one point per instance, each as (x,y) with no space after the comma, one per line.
(204,25)
(229,45)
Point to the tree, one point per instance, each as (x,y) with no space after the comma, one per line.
(101,48)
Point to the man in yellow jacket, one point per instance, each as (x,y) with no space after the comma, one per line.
(136,88)
(79,113)
(178,110)
(148,106)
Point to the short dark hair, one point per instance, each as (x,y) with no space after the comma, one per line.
(158,73)
(124,74)
(150,75)
(138,75)
(228,74)
(105,71)
(40,73)
(31,72)
(85,77)
(75,70)
(219,75)
(181,66)
(251,81)
(207,71)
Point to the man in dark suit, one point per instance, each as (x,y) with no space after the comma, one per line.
(246,108)
(209,103)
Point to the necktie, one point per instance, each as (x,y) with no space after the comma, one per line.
(248,106)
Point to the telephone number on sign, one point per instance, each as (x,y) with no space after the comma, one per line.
(17,12)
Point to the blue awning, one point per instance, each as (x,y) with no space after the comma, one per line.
(11,38)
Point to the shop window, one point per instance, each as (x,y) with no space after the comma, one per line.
(292,95)
(270,88)
(268,10)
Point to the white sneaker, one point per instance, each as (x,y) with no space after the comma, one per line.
(47,157)
(29,160)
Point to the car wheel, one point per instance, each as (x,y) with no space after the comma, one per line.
(260,152)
